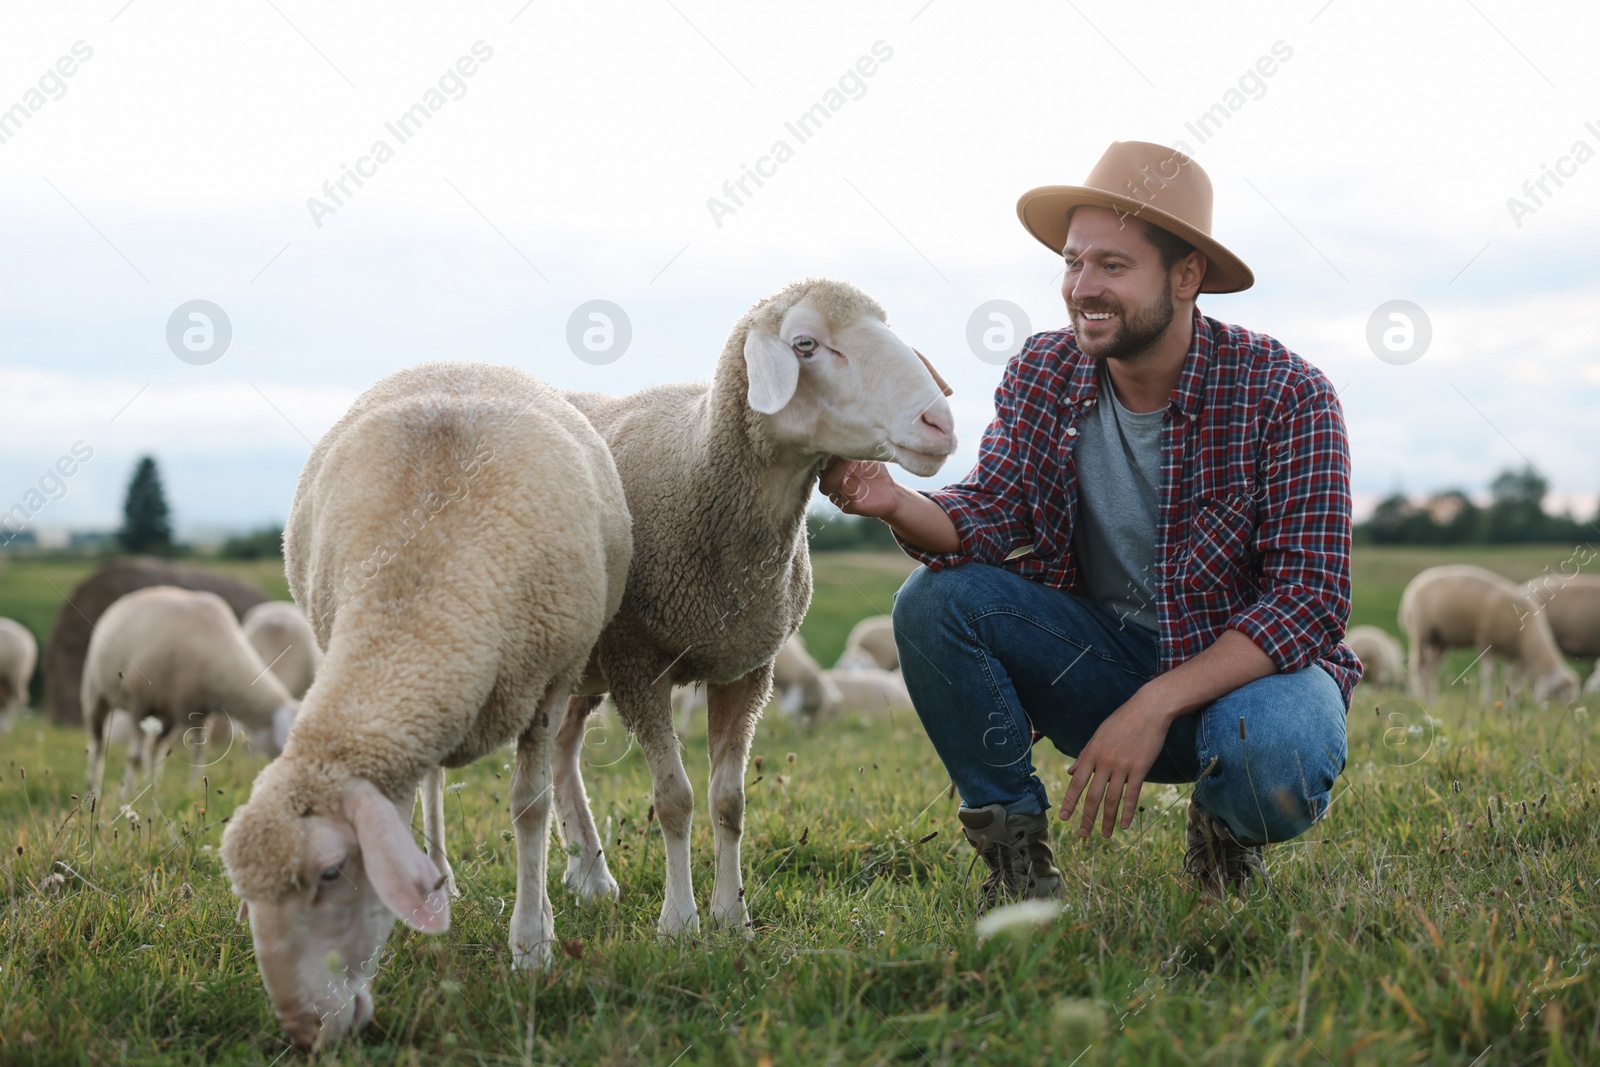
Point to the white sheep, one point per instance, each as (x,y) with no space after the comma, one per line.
(458,540)
(1462,606)
(718,478)
(1572,604)
(18,654)
(802,687)
(177,656)
(1382,659)
(870,690)
(871,644)
(282,637)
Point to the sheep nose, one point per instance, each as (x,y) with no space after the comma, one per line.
(938,418)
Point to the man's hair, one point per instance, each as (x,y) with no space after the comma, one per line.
(1170,245)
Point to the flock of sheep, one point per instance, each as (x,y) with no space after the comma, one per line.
(480,559)
(1528,628)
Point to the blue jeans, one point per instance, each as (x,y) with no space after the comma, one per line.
(987,654)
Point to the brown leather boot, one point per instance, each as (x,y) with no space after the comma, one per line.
(1016,849)
(1217,860)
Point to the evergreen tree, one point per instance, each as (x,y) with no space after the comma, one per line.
(146,525)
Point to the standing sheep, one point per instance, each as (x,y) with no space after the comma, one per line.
(282,637)
(1462,606)
(177,656)
(1383,661)
(718,478)
(18,653)
(458,539)
(871,644)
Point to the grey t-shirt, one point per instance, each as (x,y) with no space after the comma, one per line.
(1118,461)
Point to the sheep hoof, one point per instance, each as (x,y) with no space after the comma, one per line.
(590,885)
(678,924)
(735,918)
(536,958)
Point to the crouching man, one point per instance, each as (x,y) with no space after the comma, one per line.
(1150,563)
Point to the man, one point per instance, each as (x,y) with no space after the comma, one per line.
(1150,563)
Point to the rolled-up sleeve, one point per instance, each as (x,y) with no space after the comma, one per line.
(988,507)
(1302,537)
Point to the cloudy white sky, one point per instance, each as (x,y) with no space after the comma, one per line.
(576,161)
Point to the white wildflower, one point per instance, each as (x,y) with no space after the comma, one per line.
(1023,915)
(150,725)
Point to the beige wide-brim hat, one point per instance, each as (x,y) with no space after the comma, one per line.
(1146,181)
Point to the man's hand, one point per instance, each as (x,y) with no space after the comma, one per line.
(865,487)
(1117,758)
(859,487)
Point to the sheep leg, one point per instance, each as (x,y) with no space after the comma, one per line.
(731,712)
(1425,670)
(99,739)
(1485,680)
(674,802)
(533,926)
(587,874)
(433,825)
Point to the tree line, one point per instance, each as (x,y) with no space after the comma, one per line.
(1515,514)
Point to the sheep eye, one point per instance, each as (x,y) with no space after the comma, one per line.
(330,874)
(805,345)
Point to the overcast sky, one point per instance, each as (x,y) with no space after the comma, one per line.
(576,160)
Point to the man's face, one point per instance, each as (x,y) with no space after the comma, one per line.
(1117,292)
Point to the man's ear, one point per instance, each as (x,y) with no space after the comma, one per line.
(406,880)
(773,370)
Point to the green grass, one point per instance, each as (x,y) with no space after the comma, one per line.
(1443,912)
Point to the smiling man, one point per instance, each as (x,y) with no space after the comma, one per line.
(1150,563)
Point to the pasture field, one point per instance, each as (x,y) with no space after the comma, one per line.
(1444,911)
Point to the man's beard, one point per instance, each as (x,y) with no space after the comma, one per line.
(1135,332)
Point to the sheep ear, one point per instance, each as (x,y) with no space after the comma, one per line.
(406,880)
(773,370)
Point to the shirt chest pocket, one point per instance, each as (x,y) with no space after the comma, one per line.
(1219,553)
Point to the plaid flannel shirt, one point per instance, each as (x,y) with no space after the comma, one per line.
(1254,524)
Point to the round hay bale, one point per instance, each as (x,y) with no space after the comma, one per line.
(69,640)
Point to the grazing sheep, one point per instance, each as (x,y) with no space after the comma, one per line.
(802,687)
(1462,606)
(718,478)
(458,540)
(1383,661)
(870,690)
(68,643)
(18,653)
(281,635)
(1573,607)
(871,644)
(176,655)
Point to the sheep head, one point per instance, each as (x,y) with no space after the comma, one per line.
(322,890)
(1559,684)
(833,379)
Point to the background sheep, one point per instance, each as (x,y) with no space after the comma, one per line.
(68,643)
(178,656)
(871,644)
(1572,605)
(870,690)
(282,637)
(1462,606)
(718,478)
(458,541)
(18,653)
(802,686)
(1382,659)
